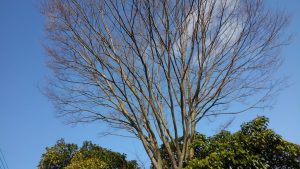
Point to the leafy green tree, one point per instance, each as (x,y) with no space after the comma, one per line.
(254,146)
(58,156)
(89,156)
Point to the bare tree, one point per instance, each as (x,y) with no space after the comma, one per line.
(157,67)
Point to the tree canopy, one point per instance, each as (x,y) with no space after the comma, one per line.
(90,156)
(253,146)
(155,68)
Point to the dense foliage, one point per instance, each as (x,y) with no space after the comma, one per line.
(90,156)
(254,146)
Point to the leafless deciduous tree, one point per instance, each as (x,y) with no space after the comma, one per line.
(157,67)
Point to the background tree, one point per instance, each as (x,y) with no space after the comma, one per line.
(156,68)
(58,156)
(91,156)
(254,146)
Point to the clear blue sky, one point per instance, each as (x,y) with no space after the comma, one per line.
(27,120)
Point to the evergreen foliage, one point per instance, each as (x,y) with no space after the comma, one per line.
(254,146)
(90,156)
